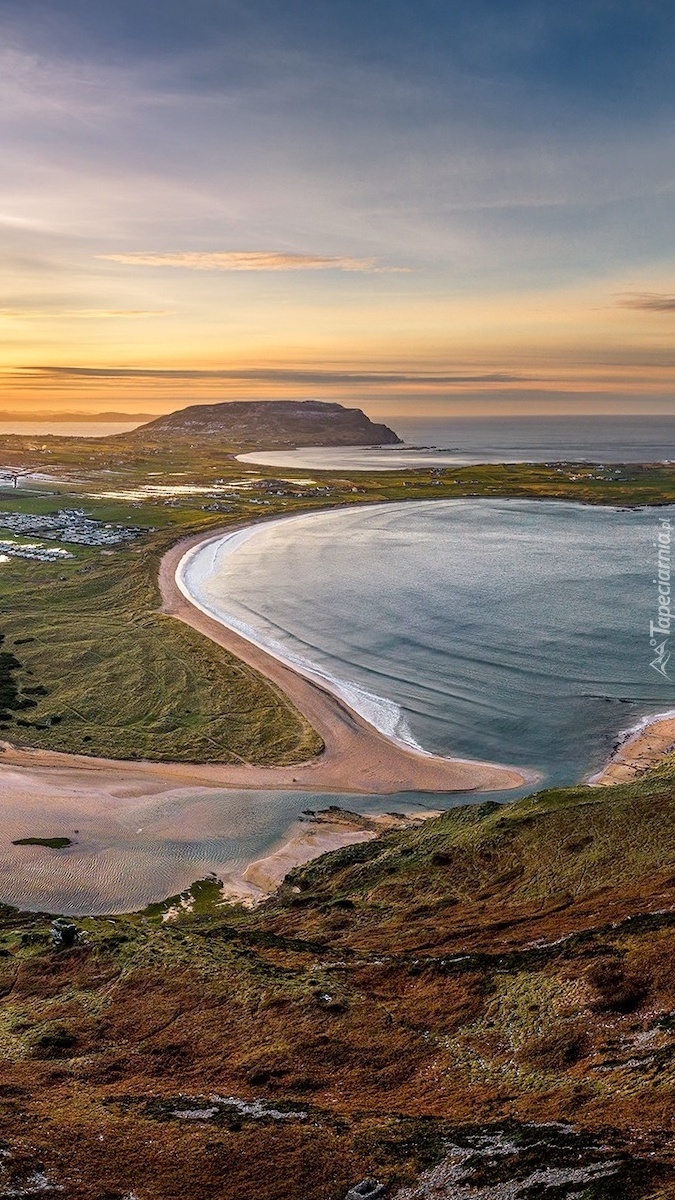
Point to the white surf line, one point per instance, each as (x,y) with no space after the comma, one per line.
(367,705)
(626,736)
(383,715)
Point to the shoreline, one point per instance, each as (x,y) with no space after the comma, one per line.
(357,757)
(103,803)
(342,690)
(311,836)
(638,750)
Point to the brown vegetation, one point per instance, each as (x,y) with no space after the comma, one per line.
(489,972)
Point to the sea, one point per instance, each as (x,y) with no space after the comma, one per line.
(462,441)
(447,441)
(83,429)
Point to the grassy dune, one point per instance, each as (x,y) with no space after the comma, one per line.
(123,681)
(499,979)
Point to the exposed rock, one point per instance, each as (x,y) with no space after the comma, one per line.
(368,1189)
(64,933)
(519,1163)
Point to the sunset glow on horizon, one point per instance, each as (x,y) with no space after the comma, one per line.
(445,209)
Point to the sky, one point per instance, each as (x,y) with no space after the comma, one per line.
(424,207)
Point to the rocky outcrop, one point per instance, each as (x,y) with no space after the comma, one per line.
(369,1189)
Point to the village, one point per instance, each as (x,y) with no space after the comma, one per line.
(70,525)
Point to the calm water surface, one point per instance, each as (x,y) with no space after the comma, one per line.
(506,630)
(464,442)
(515,631)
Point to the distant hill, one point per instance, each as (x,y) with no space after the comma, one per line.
(272,423)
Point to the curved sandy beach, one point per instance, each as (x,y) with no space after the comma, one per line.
(117,811)
(357,757)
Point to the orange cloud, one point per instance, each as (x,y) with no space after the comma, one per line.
(247,260)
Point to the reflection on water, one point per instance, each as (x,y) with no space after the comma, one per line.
(492,440)
(84,428)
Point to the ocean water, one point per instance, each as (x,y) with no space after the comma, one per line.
(514,631)
(463,442)
(511,631)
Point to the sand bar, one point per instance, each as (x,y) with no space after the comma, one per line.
(122,813)
(313,835)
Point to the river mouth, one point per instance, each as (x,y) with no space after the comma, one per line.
(133,844)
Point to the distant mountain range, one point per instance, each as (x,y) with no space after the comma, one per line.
(272,423)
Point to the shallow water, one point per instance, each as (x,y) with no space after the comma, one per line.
(84,428)
(130,850)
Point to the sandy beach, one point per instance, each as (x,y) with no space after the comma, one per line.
(357,757)
(641,750)
(136,838)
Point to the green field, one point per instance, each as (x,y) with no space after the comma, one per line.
(496,984)
(123,681)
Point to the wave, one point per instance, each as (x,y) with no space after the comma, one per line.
(202,561)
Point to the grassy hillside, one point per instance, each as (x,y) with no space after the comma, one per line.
(487,1000)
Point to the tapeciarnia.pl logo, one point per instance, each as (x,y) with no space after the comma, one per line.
(659,630)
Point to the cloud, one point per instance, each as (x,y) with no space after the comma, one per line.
(279,374)
(247,260)
(647,301)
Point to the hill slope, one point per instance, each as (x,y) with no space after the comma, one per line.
(272,423)
(480,1008)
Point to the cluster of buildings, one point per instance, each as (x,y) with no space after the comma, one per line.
(606,474)
(289,487)
(36,550)
(69,525)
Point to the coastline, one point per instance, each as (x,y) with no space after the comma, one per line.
(639,749)
(106,800)
(357,757)
(383,715)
